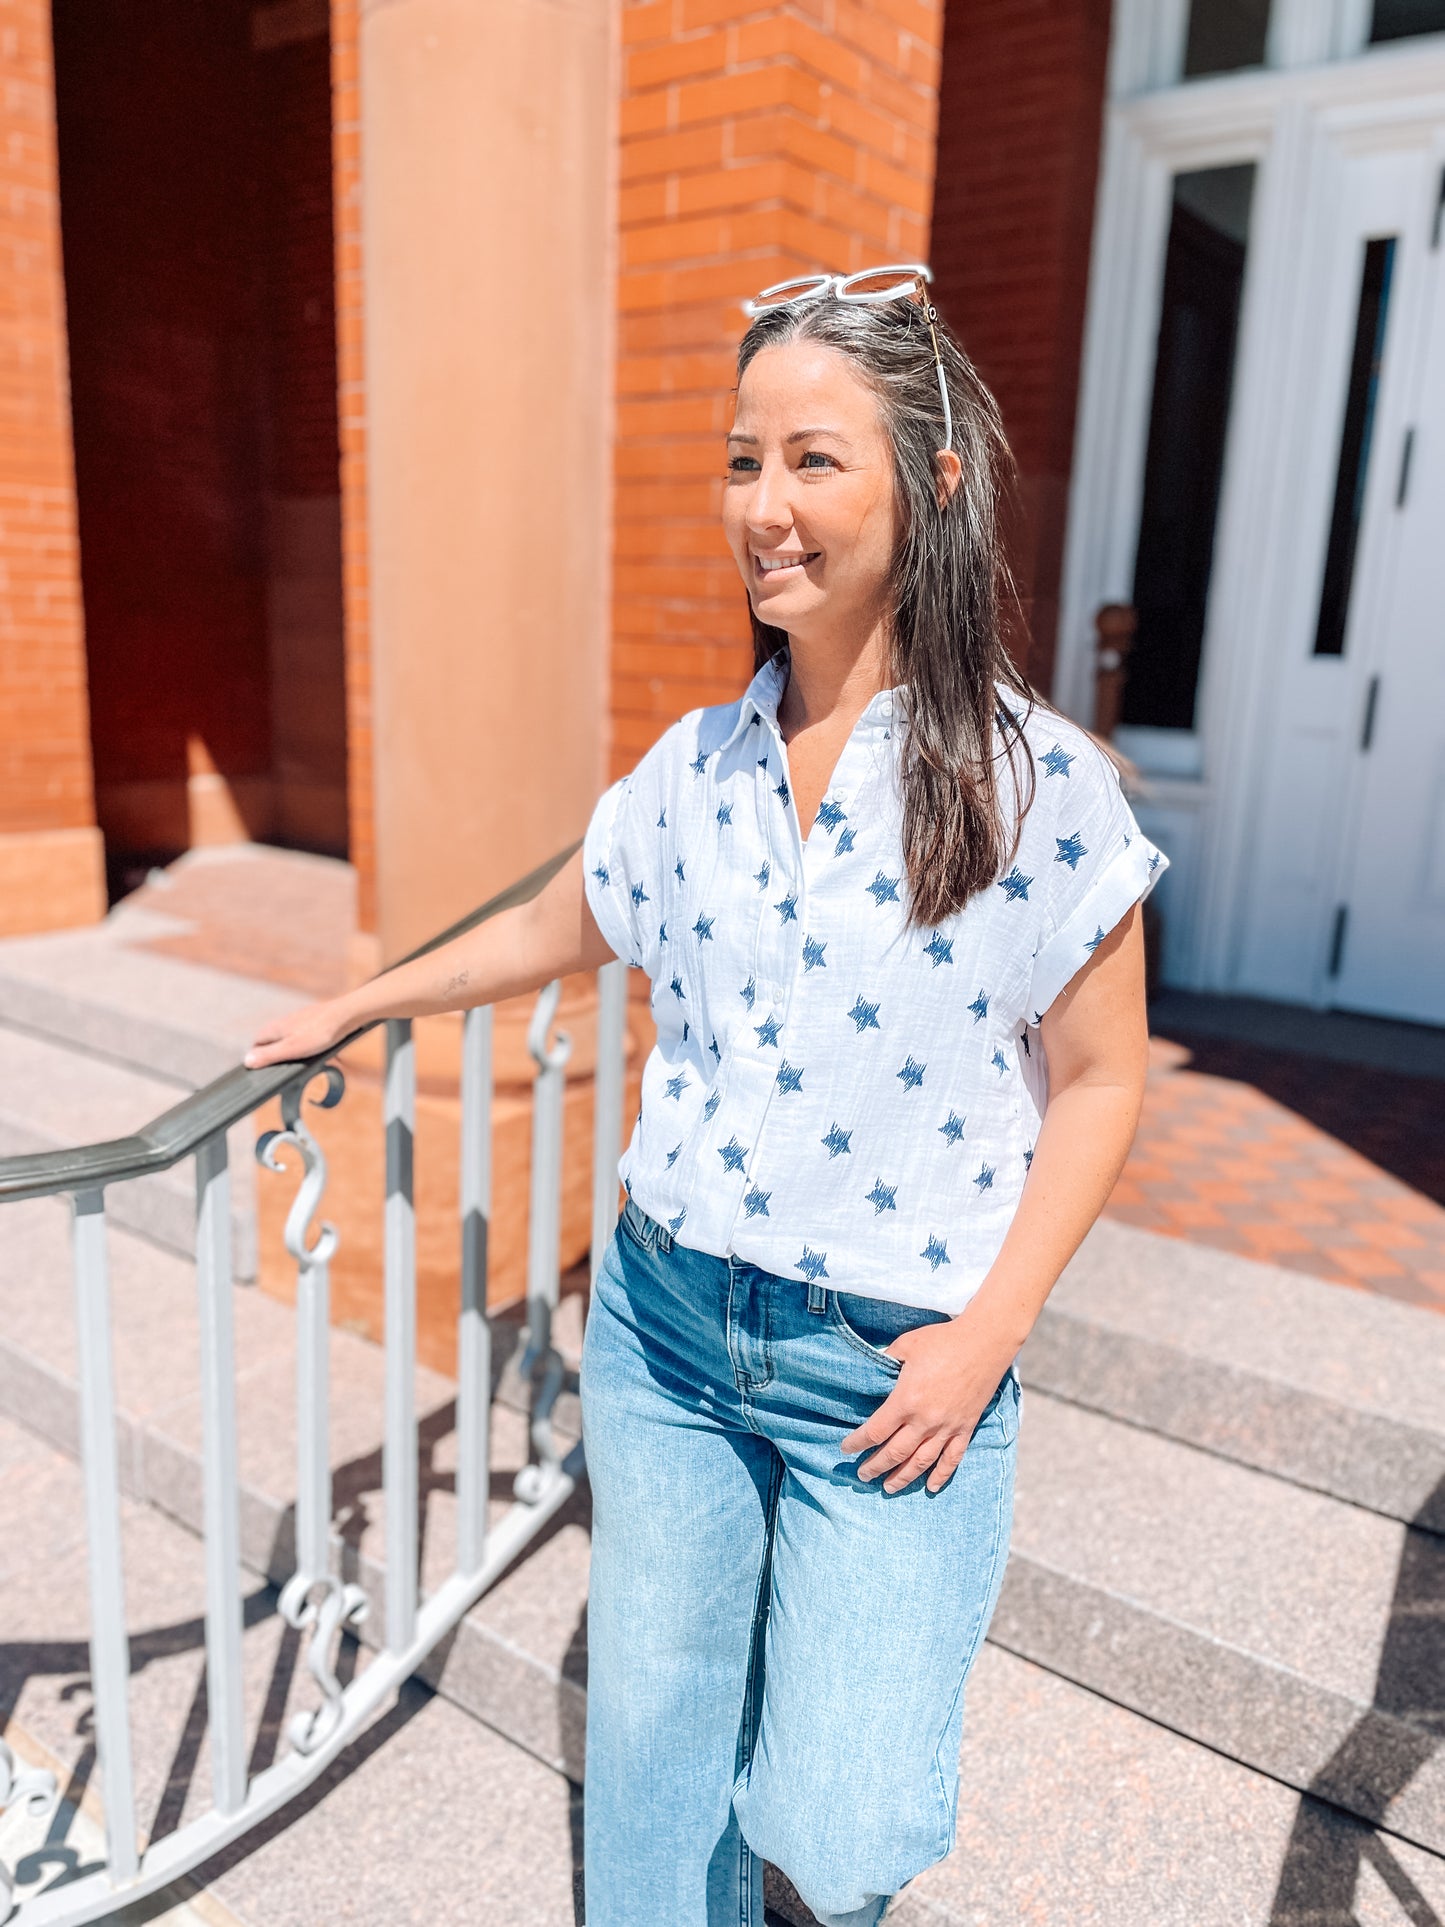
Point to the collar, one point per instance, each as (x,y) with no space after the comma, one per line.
(765,691)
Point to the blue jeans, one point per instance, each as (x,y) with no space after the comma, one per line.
(777,1649)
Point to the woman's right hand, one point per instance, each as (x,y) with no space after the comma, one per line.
(300,1034)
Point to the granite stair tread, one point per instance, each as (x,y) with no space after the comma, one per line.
(1267,1620)
(1071,1808)
(180,1021)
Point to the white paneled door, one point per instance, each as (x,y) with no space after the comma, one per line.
(1347,896)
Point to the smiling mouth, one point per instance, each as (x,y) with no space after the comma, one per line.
(781,565)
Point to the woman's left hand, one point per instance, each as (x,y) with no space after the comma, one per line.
(928,1418)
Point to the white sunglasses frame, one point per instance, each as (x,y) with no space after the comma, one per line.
(815,287)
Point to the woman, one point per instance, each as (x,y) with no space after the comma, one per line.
(888,902)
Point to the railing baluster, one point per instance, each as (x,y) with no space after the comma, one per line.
(220,1475)
(607,1114)
(109,1644)
(400,1453)
(474,1334)
(544,1241)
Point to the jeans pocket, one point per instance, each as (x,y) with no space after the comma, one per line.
(998,1422)
(870,1325)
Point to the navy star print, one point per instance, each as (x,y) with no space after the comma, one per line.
(767,1030)
(811,1264)
(675,1086)
(749,992)
(788,908)
(882,1196)
(789,1079)
(1071,848)
(756,1202)
(813,954)
(865,1015)
(733,1155)
(1056,761)
(936,1252)
(830,815)
(845,843)
(702,929)
(940,949)
(883,889)
(912,1074)
(979,1007)
(1015,884)
(837,1143)
(952,1128)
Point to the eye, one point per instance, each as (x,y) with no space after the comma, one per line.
(818,457)
(740,464)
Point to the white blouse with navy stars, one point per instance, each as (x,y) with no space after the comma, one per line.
(832,1096)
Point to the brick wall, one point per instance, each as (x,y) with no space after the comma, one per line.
(50,868)
(756,142)
(1018,148)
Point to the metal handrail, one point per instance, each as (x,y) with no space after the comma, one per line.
(235,1094)
(320,1601)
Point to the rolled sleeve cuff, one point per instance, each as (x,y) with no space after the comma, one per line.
(1127,880)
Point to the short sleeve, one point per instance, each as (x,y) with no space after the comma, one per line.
(623,852)
(1092,861)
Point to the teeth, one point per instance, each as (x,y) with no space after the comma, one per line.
(783,561)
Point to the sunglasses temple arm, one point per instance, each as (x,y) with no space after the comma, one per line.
(947,410)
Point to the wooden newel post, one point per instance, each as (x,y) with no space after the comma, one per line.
(1116,623)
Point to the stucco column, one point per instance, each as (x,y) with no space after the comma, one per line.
(487,220)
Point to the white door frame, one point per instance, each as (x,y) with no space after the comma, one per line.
(1298,123)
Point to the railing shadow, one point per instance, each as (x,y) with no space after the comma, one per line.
(1330,1847)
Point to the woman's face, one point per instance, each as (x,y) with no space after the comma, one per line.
(809,504)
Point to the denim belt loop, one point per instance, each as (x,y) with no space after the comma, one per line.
(664,1237)
(817,1296)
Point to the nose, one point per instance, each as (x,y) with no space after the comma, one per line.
(769,510)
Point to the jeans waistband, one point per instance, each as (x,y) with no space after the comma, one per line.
(655,1236)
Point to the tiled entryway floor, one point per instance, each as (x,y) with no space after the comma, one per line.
(1299,1157)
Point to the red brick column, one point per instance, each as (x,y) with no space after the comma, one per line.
(51,857)
(756,142)
(1021,114)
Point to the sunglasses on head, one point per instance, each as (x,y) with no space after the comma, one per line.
(905,281)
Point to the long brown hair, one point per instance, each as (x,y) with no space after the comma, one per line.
(949,587)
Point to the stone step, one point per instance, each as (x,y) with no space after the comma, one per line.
(55,1095)
(428,1816)
(1334,1389)
(180,1022)
(1272,1622)
(1072,1809)
(1294,1633)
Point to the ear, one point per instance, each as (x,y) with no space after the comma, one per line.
(948,473)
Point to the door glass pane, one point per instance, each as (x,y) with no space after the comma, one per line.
(1193,379)
(1398,19)
(1355,438)
(1225,34)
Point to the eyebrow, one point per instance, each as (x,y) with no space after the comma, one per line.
(798,435)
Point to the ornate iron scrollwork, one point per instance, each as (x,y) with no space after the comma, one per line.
(314,1599)
(31,1787)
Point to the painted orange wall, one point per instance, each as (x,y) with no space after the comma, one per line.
(51,857)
